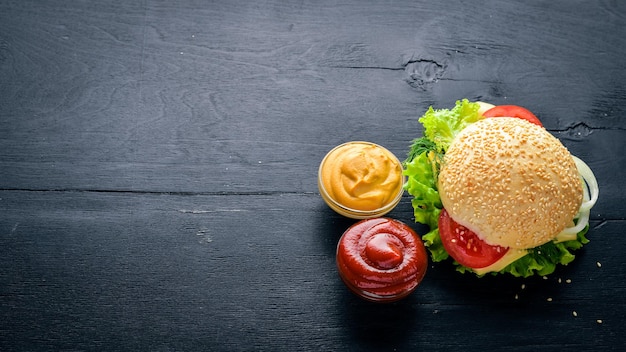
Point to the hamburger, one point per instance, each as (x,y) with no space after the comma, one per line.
(498,191)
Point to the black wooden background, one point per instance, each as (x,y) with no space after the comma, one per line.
(158,166)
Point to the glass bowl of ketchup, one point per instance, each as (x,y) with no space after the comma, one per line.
(381,259)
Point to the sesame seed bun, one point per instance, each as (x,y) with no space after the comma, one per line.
(511,182)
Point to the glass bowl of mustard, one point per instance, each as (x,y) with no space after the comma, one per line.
(361,180)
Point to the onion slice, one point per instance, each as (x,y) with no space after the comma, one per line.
(590,179)
(590,196)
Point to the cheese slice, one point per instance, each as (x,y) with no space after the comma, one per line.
(510,256)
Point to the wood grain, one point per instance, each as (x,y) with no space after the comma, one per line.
(186,271)
(158,169)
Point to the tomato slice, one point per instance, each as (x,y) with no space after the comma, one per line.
(513,111)
(465,246)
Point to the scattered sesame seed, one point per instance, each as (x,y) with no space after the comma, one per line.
(549,299)
(545,278)
(523,286)
(516,296)
(560,280)
(599,264)
(599,321)
(574,313)
(569,281)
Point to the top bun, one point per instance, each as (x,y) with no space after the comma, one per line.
(511,182)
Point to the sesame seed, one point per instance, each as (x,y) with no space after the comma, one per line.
(599,321)
(569,281)
(523,286)
(599,264)
(574,313)
(549,299)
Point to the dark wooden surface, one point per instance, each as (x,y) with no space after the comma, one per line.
(158,168)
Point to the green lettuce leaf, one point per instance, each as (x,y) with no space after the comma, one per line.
(543,260)
(442,125)
(432,241)
(421,185)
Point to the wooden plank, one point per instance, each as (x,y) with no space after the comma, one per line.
(89,270)
(136,114)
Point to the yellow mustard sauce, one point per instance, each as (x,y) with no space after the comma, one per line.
(361,176)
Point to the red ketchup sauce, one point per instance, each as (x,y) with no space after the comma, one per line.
(381,259)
